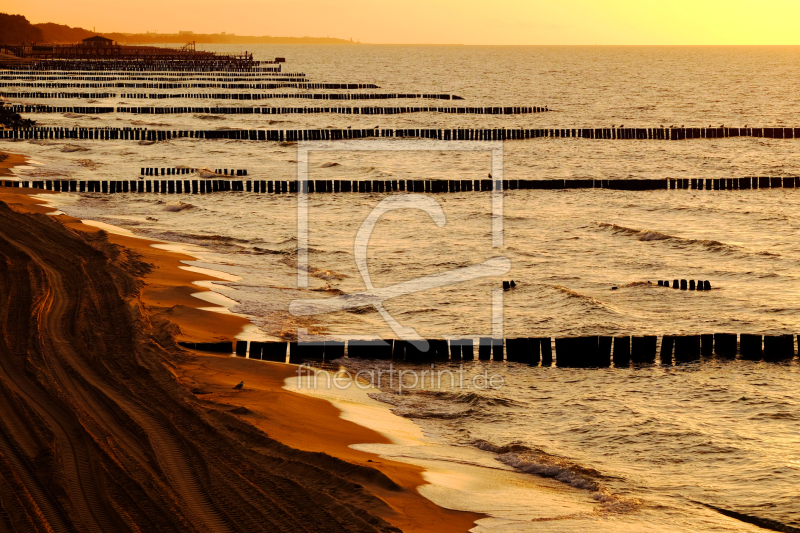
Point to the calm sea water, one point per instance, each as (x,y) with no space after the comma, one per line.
(658,445)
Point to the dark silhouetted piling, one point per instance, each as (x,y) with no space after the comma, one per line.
(566,348)
(603,355)
(667,343)
(778,347)
(370,349)
(643,349)
(440,351)
(546,346)
(241,348)
(399,350)
(455,350)
(256,349)
(312,351)
(274,351)
(687,348)
(516,349)
(334,350)
(750,346)
(707,345)
(467,350)
(415,353)
(725,345)
(485,349)
(622,352)
(532,354)
(497,350)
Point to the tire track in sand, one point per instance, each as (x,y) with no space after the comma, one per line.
(53,316)
(96,432)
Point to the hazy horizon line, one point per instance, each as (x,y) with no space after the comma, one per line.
(518,45)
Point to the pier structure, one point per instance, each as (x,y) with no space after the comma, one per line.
(99,53)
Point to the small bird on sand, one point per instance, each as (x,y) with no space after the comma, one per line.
(239,386)
(490,175)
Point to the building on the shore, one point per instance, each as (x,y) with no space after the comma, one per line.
(98,42)
(104,49)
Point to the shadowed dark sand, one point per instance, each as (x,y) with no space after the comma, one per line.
(106,425)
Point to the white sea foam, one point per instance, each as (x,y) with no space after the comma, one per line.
(459,478)
(666,435)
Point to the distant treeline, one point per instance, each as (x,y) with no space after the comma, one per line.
(61,33)
(216,38)
(16,29)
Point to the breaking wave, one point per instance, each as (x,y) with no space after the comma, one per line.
(545,466)
(471,398)
(539,463)
(176,207)
(69,148)
(583,298)
(650,235)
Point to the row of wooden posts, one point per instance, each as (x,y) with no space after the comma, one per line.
(682,284)
(330,134)
(735,184)
(286,84)
(175,171)
(222,84)
(203,186)
(565,352)
(149,65)
(279,110)
(235,96)
(161,77)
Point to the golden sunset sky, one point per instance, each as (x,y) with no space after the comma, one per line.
(517,22)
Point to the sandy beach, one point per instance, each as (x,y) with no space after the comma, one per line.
(9,161)
(143,435)
(537,263)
